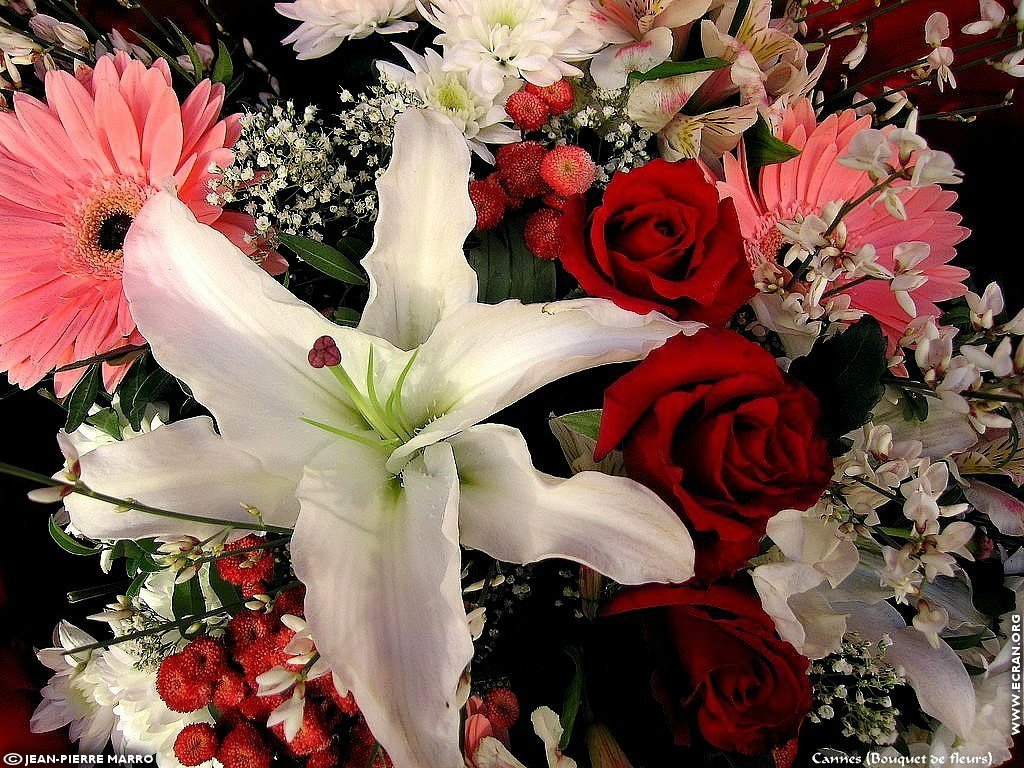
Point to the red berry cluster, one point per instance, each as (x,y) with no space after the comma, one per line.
(251,569)
(531,107)
(223,672)
(528,170)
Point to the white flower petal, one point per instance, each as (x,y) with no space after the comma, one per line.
(486,357)
(418,271)
(183,467)
(380,559)
(491,753)
(514,513)
(237,337)
(943,687)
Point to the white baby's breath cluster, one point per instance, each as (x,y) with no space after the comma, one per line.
(854,686)
(604,112)
(287,173)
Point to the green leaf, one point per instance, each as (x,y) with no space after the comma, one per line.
(70,545)
(328,260)
(673,68)
(223,67)
(160,53)
(506,269)
(967,641)
(108,422)
(764,148)
(845,374)
(346,316)
(573,698)
(187,600)
(228,594)
(193,54)
(586,423)
(914,405)
(148,390)
(82,398)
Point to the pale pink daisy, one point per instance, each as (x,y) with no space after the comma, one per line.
(804,185)
(74,171)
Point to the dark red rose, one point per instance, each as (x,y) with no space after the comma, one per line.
(191,16)
(661,240)
(723,671)
(712,425)
(896,40)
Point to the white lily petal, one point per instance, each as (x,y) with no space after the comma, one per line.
(160,469)
(236,336)
(493,754)
(485,357)
(514,513)
(937,675)
(380,559)
(418,271)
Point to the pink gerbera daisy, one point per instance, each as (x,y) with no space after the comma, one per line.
(74,171)
(804,185)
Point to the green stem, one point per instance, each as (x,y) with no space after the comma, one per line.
(876,488)
(83,490)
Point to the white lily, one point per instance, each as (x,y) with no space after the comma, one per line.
(399,472)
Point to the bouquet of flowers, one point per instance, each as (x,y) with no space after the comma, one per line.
(495,383)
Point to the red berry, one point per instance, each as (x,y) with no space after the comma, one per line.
(246,568)
(559,97)
(555,201)
(196,744)
(230,691)
(501,707)
(291,602)
(259,708)
(364,751)
(212,656)
(528,110)
(264,654)
(326,758)
(243,747)
(490,201)
(568,170)
(182,683)
(246,627)
(541,234)
(519,169)
(312,735)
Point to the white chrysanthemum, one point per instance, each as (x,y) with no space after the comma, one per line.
(78,695)
(493,39)
(326,24)
(480,115)
(144,723)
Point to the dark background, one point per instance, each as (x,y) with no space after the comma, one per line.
(35,574)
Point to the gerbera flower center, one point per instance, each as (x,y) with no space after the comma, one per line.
(93,242)
(766,242)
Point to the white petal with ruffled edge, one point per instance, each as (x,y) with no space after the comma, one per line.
(514,513)
(380,559)
(238,338)
(418,271)
(183,467)
(485,357)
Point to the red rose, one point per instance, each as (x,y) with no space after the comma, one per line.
(722,668)
(661,240)
(712,425)
(896,40)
